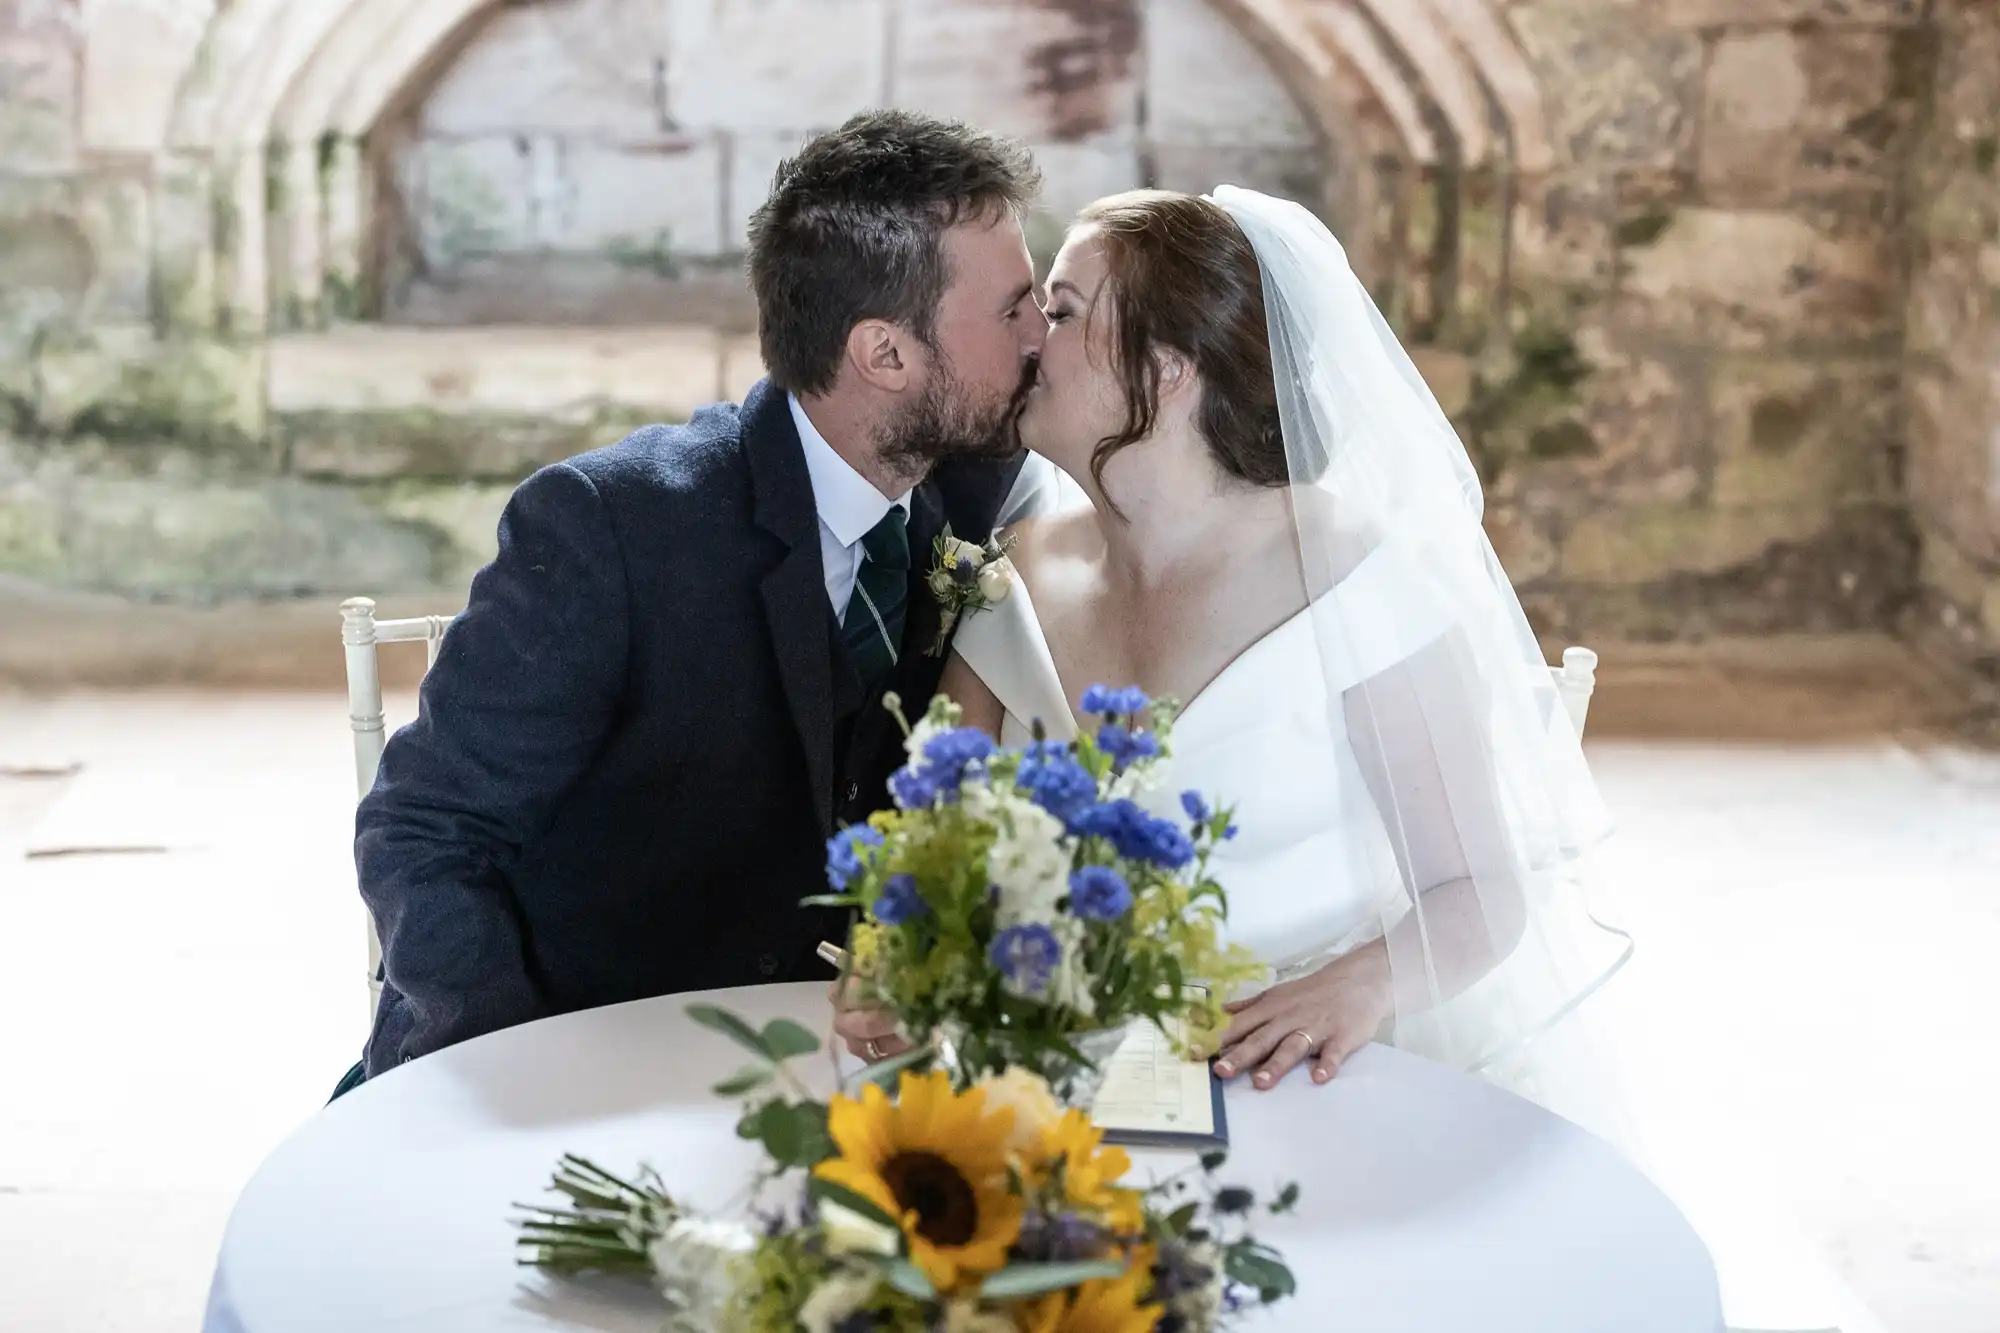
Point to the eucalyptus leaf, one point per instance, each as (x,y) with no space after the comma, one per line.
(730,1026)
(784,1039)
(781,1135)
(1019,1280)
(795,1133)
(884,1073)
(816,1139)
(1259,1268)
(746,1081)
(751,1126)
(909,1279)
(859,1204)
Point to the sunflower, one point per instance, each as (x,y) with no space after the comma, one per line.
(937,1162)
(1105,1305)
(1075,1146)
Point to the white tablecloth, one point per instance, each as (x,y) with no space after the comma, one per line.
(1432,1202)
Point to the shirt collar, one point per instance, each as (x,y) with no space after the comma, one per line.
(848,502)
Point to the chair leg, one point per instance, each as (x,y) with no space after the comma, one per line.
(364,716)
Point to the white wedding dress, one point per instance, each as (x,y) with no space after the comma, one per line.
(1253,740)
(1307,877)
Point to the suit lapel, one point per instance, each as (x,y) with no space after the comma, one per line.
(795,591)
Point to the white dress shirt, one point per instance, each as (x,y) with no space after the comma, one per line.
(849,505)
(849,508)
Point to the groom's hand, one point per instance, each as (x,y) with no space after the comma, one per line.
(869,1032)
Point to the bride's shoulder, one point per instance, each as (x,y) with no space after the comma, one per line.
(1037,541)
(1327,527)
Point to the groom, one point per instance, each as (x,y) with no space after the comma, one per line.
(666,690)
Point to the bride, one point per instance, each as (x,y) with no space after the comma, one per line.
(1264,513)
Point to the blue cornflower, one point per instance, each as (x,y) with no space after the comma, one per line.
(899,901)
(843,853)
(950,753)
(1103,701)
(1099,893)
(1062,1238)
(1166,846)
(914,787)
(1135,834)
(941,768)
(1197,809)
(1027,956)
(1124,746)
(1053,778)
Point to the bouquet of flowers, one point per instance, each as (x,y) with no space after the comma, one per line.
(1023,906)
(986,1209)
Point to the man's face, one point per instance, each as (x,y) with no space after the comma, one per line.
(989,331)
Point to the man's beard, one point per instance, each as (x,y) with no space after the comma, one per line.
(945,423)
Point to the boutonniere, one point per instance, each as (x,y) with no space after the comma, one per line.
(966,577)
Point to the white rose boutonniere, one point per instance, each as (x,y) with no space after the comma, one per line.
(966,576)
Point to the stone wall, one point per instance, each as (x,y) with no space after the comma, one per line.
(192,408)
(592,161)
(1952,379)
(293,291)
(1694,426)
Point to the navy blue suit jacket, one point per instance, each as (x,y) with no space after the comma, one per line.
(637,737)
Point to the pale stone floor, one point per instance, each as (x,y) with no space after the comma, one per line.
(1820,931)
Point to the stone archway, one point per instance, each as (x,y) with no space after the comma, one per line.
(1433,107)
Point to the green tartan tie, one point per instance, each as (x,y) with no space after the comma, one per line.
(873,627)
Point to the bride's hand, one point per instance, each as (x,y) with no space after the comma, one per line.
(1327,1016)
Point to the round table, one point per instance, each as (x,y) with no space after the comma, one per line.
(1432,1202)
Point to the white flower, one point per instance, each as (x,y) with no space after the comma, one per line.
(695,1267)
(1201,1307)
(965,1316)
(961,550)
(996,580)
(1034,1106)
(1069,984)
(848,1232)
(1135,784)
(927,729)
(834,1300)
(1029,862)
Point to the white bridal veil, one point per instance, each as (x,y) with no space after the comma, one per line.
(1475,806)
(1465,750)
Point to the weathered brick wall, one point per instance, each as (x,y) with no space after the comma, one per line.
(1952,378)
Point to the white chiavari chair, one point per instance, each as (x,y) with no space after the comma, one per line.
(360,632)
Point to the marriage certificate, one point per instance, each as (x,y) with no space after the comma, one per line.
(1155,1097)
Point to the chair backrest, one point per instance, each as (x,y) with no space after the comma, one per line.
(360,632)
(1575,680)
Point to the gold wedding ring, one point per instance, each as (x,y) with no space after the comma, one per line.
(873,1049)
(1311,1041)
